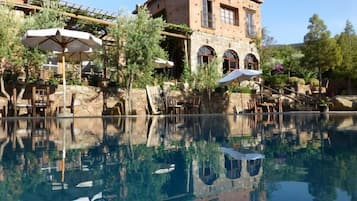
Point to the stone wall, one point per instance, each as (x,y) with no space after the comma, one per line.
(176,12)
(236,31)
(89,101)
(190,14)
(220,102)
(221,36)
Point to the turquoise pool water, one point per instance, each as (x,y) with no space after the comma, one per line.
(246,157)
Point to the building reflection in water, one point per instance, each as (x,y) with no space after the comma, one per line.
(197,157)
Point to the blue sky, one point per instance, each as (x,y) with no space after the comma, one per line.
(285,20)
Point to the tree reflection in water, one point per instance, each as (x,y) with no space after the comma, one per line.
(118,157)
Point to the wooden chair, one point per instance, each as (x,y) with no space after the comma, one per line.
(253,107)
(119,108)
(267,107)
(172,106)
(3,111)
(40,101)
(257,109)
(59,109)
(194,105)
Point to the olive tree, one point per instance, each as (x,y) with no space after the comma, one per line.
(49,17)
(11,49)
(207,77)
(14,56)
(137,44)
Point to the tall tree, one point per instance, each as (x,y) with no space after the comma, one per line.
(140,44)
(347,41)
(10,45)
(321,53)
(207,77)
(11,48)
(265,47)
(49,17)
(14,56)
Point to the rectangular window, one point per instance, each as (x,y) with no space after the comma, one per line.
(207,15)
(251,32)
(229,15)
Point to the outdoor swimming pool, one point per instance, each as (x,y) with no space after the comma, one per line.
(272,157)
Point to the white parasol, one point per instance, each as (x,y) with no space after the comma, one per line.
(239,75)
(242,154)
(162,63)
(61,40)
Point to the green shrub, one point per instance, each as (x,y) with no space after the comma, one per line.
(233,86)
(94,80)
(53,81)
(307,74)
(314,82)
(73,82)
(246,90)
(296,81)
(277,81)
(236,89)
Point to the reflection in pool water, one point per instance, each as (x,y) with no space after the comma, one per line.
(246,157)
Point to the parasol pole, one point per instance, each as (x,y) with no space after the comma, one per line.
(64,81)
(63,162)
(63,153)
(80,67)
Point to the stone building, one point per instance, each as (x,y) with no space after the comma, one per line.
(226,29)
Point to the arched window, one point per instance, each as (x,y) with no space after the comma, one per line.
(230,61)
(233,167)
(205,55)
(253,166)
(207,173)
(251,62)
